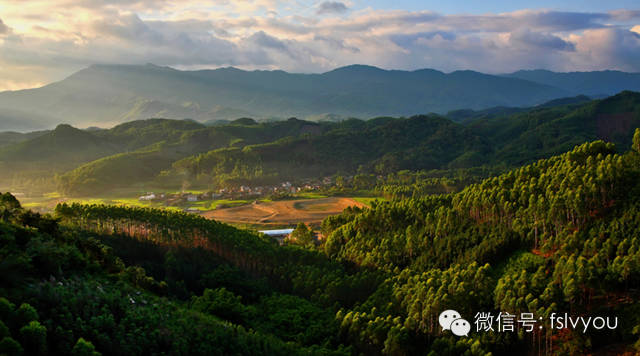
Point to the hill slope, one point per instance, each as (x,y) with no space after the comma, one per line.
(144,164)
(387,145)
(557,236)
(61,148)
(247,152)
(598,83)
(109,94)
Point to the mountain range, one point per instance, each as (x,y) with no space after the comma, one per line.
(106,95)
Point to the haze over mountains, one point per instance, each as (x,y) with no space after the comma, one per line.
(104,95)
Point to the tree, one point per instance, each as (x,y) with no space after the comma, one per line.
(84,348)
(222,303)
(6,308)
(9,346)
(636,140)
(34,337)
(25,314)
(4,330)
(302,235)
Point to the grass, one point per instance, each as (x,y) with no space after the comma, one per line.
(367,200)
(310,195)
(230,203)
(258,227)
(129,197)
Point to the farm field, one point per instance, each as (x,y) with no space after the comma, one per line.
(310,208)
(310,211)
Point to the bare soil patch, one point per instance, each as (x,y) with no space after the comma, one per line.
(283,212)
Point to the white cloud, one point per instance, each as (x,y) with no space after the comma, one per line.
(608,48)
(48,40)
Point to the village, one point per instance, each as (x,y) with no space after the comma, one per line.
(242,192)
(249,196)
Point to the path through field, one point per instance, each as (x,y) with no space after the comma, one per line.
(283,212)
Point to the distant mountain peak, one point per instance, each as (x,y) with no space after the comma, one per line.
(357,68)
(63,127)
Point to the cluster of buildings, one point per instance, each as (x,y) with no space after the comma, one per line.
(281,188)
(179,197)
(243,191)
(284,235)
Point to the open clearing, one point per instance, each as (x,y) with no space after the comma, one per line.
(283,212)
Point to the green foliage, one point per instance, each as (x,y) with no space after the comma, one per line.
(9,346)
(294,319)
(170,153)
(302,235)
(559,234)
(577,213)
(84,348)
(122,310)
(25,314)
(222,303)
(4,330)
(6,309)
(153,145)
(34,338)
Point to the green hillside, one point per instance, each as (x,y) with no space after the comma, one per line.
(381,145)
(9,138)
(65,146)
(171,153)
(175,140)
(387,145)
(37,157)
(65,290)
(559,236)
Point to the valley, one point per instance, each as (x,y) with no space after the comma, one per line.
(360,231)
(283,213)
(319,178)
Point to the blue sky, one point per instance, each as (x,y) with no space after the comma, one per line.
(480,7)
(45,40)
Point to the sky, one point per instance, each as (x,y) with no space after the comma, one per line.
(42,41)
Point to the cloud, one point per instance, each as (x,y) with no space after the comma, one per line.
(410,40)
(608,48)
(332,7)
(624,15)
(559,21)
(539,41)
(50,39)
(262,39)
(4,29)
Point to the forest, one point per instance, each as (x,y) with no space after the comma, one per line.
(161,154)
(558,235)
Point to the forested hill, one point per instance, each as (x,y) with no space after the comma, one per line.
(387,145)
(169,153)
(65,147)
(68,289)
(140,148)
(561,235)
